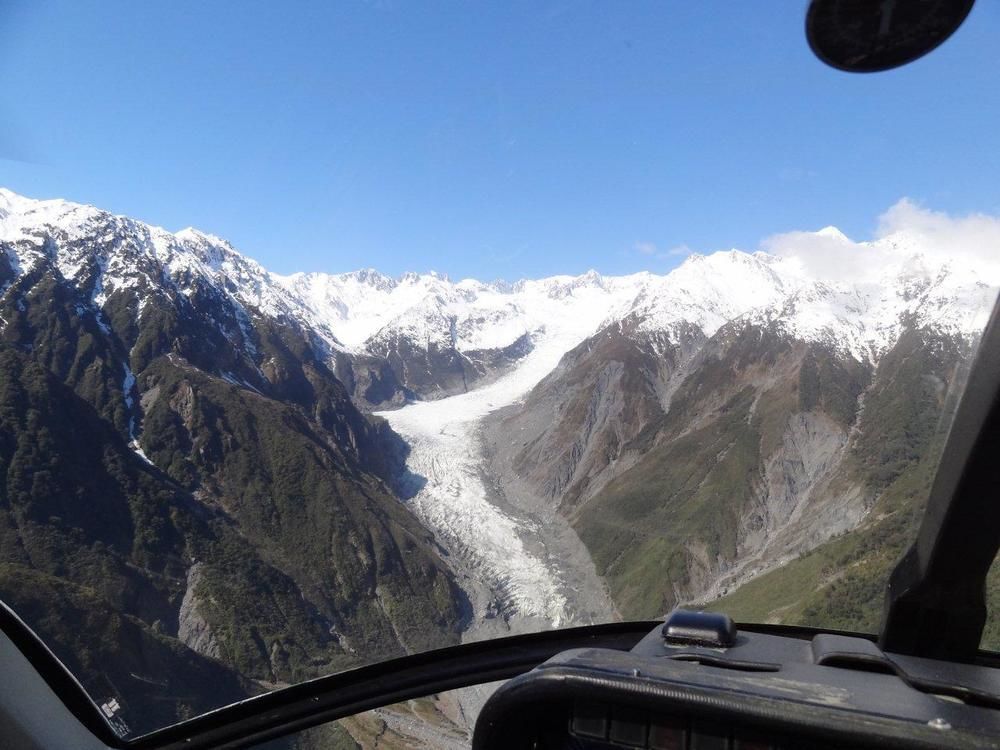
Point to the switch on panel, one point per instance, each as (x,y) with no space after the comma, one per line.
(629,727)
(709,737)
(590,720)
(668,734)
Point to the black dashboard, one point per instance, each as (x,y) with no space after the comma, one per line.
(744,691)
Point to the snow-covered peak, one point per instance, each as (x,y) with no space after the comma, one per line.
(366,308)
(817,285)
(102,253)
(821,286)
(708,291)
(856,296)
(21,217)
(833,233)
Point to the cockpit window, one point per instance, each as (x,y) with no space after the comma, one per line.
(495,320)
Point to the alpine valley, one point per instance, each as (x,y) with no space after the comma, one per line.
(216,480)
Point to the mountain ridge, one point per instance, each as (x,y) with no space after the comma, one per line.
(175,464)
(664,429)
(352,313)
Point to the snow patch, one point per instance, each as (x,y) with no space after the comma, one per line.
(128,384)
(232,379)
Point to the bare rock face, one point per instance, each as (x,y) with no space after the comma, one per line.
(797,505)
(592,417)
(690,464)
(399,366)
(183,404)
(192,628)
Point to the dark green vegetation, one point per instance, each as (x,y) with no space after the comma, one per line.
(156,678)
(92,547)
(770,447)
(841,583)
(262,545)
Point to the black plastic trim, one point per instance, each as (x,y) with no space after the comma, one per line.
(324,699)
(55,674)
(802,722)
(327,698)
(936,598)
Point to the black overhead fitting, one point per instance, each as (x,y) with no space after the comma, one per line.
(866,36)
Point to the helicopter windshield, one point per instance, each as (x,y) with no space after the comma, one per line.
(496,320)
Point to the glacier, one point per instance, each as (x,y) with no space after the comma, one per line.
(507,548)
(854,297)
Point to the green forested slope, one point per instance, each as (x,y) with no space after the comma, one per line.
(841,584)
(678,518)
(263,532)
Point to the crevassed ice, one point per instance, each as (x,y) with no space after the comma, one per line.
(455,503)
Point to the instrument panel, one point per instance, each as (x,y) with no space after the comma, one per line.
(688,687)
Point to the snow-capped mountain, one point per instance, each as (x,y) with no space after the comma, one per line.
(440,336)
(861,316)
(178,452)
(103,254)
(741,410)
(683,431)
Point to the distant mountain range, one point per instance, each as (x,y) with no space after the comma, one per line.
(464,331)
(193,469)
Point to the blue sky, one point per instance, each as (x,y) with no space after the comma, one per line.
(502,139)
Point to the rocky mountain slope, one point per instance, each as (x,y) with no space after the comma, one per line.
(841,583)
(740,413)
(180,466)
(192,467)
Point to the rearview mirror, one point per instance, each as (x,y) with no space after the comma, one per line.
(867,36)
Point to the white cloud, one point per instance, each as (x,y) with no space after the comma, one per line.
(796,174)
(906,229)
(650,249)
(827,254)
(645,248)
(972,240)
